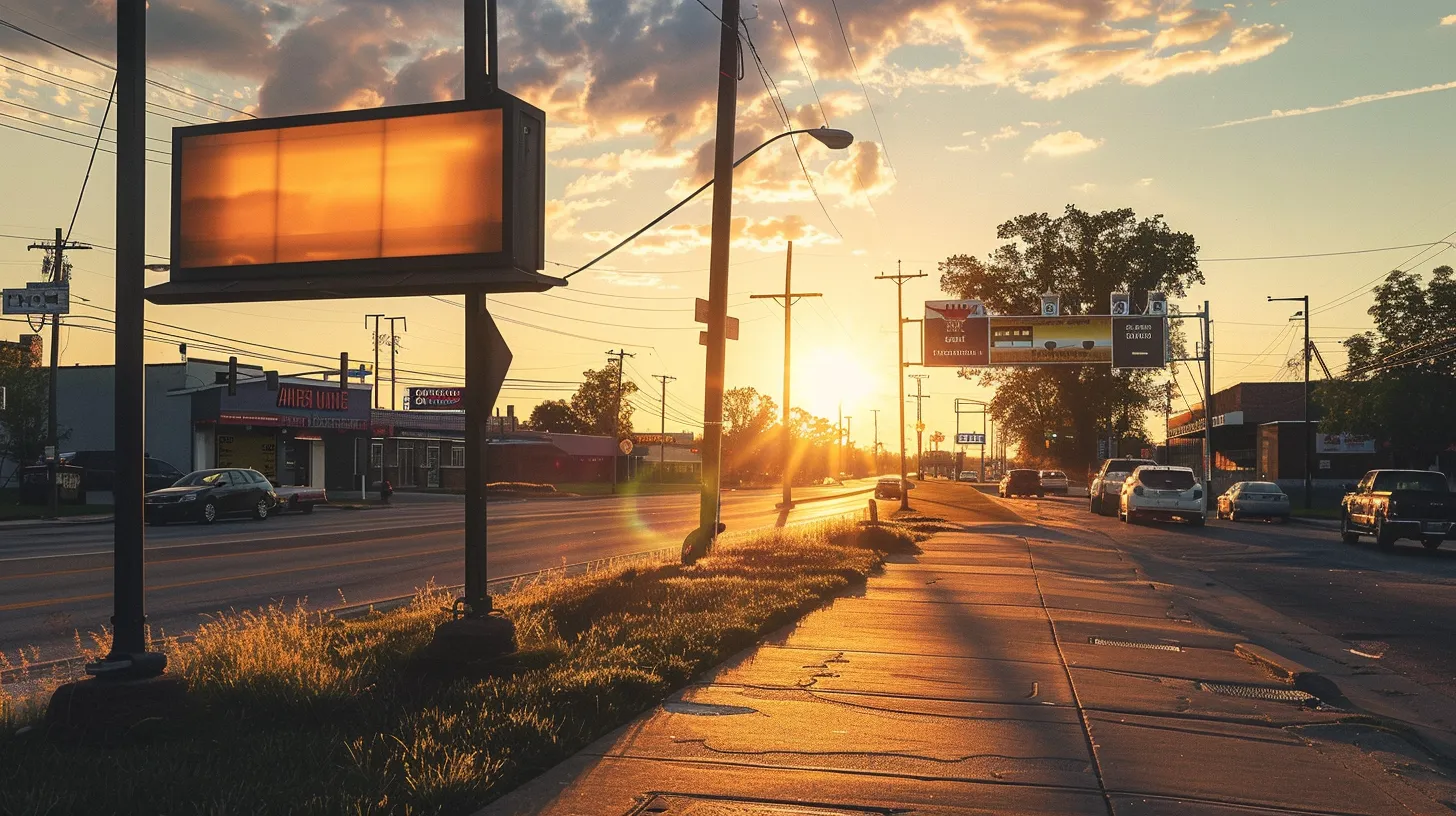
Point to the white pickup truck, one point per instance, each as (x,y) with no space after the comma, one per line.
(301,499)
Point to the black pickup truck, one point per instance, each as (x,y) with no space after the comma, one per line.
(1396,504)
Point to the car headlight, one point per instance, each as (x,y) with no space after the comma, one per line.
(188,497)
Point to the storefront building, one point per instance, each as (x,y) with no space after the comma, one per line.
(306,433)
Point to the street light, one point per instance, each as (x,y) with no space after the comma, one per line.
(1308,429)
(832,138)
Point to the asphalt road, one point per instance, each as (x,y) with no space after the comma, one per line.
(56,581)
(1399,607)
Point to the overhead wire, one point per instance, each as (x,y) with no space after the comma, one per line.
(868,104)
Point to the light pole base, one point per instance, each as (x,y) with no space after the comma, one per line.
(123,667)
(472,640)
(111,708)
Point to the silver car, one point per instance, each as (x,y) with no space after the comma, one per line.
(1254,500)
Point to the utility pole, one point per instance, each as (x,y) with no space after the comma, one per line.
(899,278)
(376,318)
(848,443)
(1308,428)
(61,276)
(1208,406)
(701,540)
(919,423)
(662,445)
(393,350)
(876,412)
(622,356)
(789,298)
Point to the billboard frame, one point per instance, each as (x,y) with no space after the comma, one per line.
(515,268)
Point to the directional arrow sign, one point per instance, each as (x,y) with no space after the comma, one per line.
(499,359)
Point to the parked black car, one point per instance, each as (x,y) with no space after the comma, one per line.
(97,472)
(1021,482)
(1396,504)
(205,496)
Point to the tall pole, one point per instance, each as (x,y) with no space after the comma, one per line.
(1308,429)
(1207,406)
(375,318)
(789,297)
(128,657)
(60,277)
(622,356)
(662,447)
(702,539)
(876,448)
(849,442)
(899,278)
(394,348)
(919,424)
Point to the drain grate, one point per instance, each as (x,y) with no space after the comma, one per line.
(1134,644)
(1277,695)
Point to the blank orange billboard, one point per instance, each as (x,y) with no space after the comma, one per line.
(402,187)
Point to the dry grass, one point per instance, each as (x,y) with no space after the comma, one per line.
(297,712)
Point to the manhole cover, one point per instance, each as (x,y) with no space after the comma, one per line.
(686,804)
(1134,644)
(1278,695)
(706,709)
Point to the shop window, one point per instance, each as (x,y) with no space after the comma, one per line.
(457,456)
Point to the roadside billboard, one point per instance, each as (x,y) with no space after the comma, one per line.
(1139,342)
(1071,339)
(955,333)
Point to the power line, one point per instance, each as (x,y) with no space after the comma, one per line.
(845,35)
(1320,254)
(1362,289)
(90,163)
(65,118)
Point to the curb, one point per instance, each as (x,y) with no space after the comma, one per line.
(1327,524)
(1294,673)
(40,524)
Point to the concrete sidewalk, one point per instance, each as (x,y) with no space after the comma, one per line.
(993,674)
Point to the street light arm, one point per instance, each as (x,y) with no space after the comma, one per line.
(825,135)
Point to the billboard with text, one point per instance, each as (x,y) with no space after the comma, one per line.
(959,333)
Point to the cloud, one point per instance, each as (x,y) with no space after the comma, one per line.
(1347,103)
(1085,187)
(1244,45)
(958,148)
(563,216)
(1064,143)
(1449,20)
(1145,182)
(597,182)
(762,235)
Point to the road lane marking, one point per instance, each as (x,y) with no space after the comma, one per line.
(202,581)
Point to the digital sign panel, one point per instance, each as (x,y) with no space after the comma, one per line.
(1072,339)
(955,334)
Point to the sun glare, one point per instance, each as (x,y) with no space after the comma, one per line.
(826,377)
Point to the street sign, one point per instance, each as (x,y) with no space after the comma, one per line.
(1051,304)
(1138,342)
(970,439)
(1050,340)
(625,446)
(435,399)
(41,299)
(1121,304)
(700,315)
(956,333)
(652,439)
(499,361)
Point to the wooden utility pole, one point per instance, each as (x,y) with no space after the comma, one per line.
(621,356)
(393,350)
(899,278)
(60,275)
(376,318)
(789,298)
(662,444)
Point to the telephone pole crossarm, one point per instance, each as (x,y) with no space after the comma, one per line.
(789,298)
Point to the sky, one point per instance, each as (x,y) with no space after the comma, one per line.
(1283,128)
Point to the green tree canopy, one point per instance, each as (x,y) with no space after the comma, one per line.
(1084,257)
(554,416)
(595,403)
(1400,385)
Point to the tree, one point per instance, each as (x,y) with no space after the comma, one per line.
(750,435)
(554,416)
(23,423)
(1400,384)
(595,403)
(1084,257)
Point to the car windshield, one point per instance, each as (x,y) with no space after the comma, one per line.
(1053,474)
(1392,480)
(1167,479)
(1122,467)
(200,478)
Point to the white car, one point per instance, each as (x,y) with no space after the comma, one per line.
(968,476)
(1164,493)
(1054,481)
(1106,486)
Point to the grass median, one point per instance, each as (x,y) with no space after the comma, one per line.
(291,711)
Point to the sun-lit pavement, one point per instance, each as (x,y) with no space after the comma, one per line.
(56,580)
(1064,665)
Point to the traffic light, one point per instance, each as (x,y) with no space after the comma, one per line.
(232,377)
(344,370)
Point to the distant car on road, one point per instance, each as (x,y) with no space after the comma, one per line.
(1396,504)
(1106,486)
(97,474)
(968,476)
(204,496)
(888,487)
(1253,500)
(1021,482)
(1164,493)
(1054,481)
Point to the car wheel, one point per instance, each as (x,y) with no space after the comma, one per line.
(1348,534)
(260,510)
(1197,521)
(1384,539)
(208,512)
(1432,544)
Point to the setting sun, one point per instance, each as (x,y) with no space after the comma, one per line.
(826,377)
